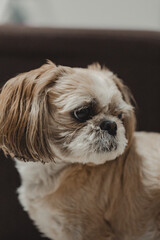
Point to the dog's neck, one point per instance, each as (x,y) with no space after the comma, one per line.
(121,170)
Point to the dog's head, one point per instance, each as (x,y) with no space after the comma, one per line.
(66,114)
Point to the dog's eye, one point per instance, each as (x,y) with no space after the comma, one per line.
(120,115)
(83,114)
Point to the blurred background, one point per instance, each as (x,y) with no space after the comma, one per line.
(124,14)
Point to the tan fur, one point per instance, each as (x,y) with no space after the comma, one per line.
(107,201)
(83,192)
(24,129)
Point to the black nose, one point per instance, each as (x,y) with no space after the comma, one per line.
(109,126)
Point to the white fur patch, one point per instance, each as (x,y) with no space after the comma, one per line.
(103,90)
(45,178)
(38,181)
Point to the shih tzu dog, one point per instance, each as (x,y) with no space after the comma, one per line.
(86,174)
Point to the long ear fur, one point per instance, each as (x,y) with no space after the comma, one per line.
(24,115)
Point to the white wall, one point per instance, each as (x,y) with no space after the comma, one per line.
(130,14)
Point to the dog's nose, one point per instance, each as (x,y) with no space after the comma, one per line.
(109,126)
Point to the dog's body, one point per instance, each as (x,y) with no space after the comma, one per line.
(116,200)
(104,183)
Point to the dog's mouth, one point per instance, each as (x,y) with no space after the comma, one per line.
(104,142)
(106,145)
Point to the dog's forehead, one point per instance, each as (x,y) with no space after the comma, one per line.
(84,85)
(103,87)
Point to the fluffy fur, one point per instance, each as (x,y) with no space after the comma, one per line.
(93,185)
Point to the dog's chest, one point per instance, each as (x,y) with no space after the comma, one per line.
(76,216)
(74,209)
(67,213)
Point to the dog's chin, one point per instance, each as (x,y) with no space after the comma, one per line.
(100,155)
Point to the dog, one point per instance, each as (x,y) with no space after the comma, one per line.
(86,173)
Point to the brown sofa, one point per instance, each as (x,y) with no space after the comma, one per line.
(133,55)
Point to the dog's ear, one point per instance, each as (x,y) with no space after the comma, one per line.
(24,115)
(94,66)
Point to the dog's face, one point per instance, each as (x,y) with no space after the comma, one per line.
(66,114)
